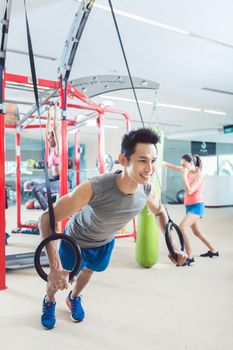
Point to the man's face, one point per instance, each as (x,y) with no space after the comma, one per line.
(141,165)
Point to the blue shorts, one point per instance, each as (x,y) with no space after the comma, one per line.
(197,208)
(95,259)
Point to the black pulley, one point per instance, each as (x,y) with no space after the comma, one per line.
(54,237)
(169,227)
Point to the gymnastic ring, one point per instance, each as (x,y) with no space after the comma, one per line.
(55,237)
(171,225)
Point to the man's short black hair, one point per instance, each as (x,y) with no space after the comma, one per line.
(143,135)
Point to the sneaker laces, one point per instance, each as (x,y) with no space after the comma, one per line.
(75,303)
(48,308)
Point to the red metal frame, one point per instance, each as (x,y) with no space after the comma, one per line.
(88,105)
(2,192)
(18,179)
(22,79)
(77,156)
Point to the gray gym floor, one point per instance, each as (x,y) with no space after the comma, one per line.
(129,307)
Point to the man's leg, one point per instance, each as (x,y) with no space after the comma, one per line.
(73,300)
(51,294)
(48,319)
(94,259)
(82,280)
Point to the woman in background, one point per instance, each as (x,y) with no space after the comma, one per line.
(39,190)
(53,142)
(193,179)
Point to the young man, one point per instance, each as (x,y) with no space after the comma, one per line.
(100,207)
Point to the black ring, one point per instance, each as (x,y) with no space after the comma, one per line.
(55,237)
(170,225)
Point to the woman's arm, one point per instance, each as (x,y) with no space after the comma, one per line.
(197,182)
(48,127)
(172,166)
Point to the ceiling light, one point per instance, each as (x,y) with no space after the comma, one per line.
(211,39)
(143,20)
(194,133)
(125,99)
(179,107)
(111,126)
(93,123)
(165,26)
(166,105)
(213,112)
(107,103)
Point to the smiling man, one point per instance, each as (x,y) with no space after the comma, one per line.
(98,208)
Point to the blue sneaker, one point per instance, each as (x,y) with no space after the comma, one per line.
(48,319)
(74,304)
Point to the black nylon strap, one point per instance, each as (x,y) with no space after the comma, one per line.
(133,88)
(126,61)
(34,81)
(65,98)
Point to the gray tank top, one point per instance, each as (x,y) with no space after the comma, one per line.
(107,212)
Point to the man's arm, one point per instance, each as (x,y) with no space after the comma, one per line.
(64,207)
(157,209)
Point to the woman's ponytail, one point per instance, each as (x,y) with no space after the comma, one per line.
(197,161)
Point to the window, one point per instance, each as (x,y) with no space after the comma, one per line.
(225,164)
(209,165)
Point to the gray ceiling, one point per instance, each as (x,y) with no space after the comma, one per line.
(182,64)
